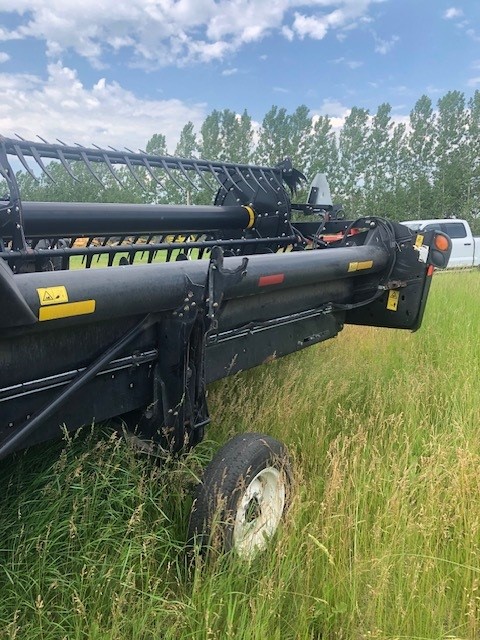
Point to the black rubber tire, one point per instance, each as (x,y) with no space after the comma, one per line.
(225,483)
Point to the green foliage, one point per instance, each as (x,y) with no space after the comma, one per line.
(353,152)
(452,156)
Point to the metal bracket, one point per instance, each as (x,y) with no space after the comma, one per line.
(178,413)
(218,280)
(11,211)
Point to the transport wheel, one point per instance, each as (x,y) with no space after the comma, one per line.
(242,497)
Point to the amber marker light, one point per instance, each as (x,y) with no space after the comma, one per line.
(441,243)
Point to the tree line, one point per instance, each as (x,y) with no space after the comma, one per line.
(427,166)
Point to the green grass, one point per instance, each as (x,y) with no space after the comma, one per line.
(382,539)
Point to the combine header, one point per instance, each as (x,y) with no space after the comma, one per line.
(183,295)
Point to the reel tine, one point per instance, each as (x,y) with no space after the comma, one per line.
(137,179)
(237,169)
(150,171)
(264,176)
(109,165)
(89,166)
(170,175)
(5,175)
(255,178)
(187,177)
(21,157)
(274,174)
(41,164)
(68,168)
(212,170)
(229,177)
(197,170)
(112,170)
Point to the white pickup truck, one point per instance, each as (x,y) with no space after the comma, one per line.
(465,246)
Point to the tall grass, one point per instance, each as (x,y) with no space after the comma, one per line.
(382,539)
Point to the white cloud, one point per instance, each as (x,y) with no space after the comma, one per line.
(475,64)
(335,110)
(432,89)
(310,26)
(471,33)
(352,64)
(288,33)
(452,13)
(281,90)
(385,46)
(229,72)
(337,113)
(163,32)
(106,113)
(4,57)
(348,15)
(474,82)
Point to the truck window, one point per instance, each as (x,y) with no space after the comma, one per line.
(433,227)
(454,229)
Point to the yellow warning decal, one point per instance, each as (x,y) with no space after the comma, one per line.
(419,241)
(358,266)
(393,298)
(52,295)
(55,312)
(368,264)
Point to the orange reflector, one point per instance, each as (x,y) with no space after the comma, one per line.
(430,270)
(441,243)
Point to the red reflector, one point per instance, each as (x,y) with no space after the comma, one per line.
(430,270)
(277,278)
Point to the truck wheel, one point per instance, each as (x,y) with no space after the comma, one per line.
(242,497)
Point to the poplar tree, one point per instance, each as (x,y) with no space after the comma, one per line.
(421,142)
(272,144)
(187,147)
(379,169)
(473,161)
(210,145)
(451,157)
(353,161)
(398,202)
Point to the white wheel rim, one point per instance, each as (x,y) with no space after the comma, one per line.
(259,512)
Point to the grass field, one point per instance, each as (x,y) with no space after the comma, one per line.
(382,539)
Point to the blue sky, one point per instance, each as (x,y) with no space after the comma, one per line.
(117,71)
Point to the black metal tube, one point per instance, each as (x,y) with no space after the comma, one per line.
(129,290)
(77,219)
(145,248)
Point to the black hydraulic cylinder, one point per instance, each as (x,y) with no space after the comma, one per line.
(77,219)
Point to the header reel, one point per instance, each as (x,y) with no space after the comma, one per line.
(250,214)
